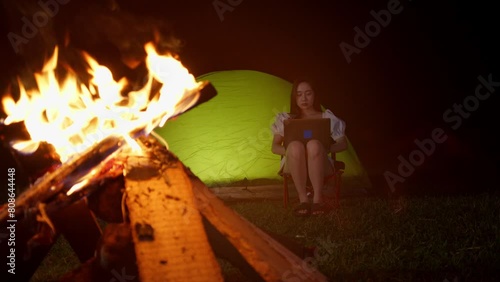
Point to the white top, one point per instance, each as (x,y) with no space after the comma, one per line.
(337,126)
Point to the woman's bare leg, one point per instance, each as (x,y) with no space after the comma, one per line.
(316,166)
(296,165)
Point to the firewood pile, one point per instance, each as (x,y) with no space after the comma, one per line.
(162,223)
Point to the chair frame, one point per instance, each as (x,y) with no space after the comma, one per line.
(338,170)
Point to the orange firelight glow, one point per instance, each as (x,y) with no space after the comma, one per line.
(73,116)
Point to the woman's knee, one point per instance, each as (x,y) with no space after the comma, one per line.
(295,150)
(315,148)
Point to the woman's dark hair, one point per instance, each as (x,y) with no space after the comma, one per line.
(295,111)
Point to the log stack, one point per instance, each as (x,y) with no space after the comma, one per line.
(162,223)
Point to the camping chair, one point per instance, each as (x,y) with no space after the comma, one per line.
(335,178)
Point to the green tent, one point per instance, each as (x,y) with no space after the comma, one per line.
(228,139)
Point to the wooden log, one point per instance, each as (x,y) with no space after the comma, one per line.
(169,238)
(82,237)
(114,261)
(248,193)
(268,257)
(54,182)
(30,250)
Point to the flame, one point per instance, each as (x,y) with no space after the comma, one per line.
(73,116)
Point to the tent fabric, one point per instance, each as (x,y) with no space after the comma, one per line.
(228,138)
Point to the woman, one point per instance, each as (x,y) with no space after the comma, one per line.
(310,160)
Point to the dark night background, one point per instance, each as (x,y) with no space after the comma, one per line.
(394,91)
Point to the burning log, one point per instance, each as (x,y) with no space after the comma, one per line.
(167,230)
(54,182)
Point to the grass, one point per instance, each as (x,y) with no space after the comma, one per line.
(370,239)
(60,260)
(434,238)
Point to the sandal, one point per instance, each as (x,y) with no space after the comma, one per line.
(303,209)
(319,209)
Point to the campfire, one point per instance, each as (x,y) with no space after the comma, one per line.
(162,222)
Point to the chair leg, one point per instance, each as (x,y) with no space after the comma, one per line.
(338,185)
(285,191)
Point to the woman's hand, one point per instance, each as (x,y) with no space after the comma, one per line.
(277,146)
